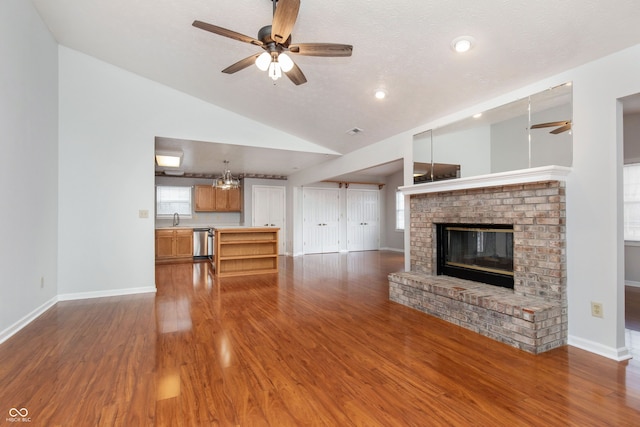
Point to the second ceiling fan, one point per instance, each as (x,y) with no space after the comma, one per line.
(561,126)
(275,39)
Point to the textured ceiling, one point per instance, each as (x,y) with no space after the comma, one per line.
(401,46)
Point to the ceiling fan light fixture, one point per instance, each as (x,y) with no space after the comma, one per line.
(285,62)
(274,70)
(263,61)
(462,44)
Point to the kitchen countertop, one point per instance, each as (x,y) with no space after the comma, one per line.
(182,227)
(213,227)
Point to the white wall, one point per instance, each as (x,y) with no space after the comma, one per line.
(390,237)
(28,176)
(109,119)
(595,250)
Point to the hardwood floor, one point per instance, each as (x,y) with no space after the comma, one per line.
(317,344)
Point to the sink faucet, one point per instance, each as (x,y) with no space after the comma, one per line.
(176,219)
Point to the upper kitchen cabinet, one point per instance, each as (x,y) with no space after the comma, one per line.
(228,200)
(211,199)
(205,198)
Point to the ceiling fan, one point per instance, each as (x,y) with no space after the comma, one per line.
(275,39)
(561,126)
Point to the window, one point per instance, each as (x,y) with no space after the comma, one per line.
(632,202)
(399,210)
(170,199)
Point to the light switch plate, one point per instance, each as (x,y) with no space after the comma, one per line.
(143,213)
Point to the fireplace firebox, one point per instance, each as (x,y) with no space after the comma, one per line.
(478,252)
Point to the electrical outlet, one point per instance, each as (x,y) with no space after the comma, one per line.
(596,309)
(41,282)
(143,213)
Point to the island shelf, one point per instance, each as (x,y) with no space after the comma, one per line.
(246,250)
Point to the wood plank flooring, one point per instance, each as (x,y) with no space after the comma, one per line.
(318,344)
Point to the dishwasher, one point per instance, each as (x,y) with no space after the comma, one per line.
(202,243)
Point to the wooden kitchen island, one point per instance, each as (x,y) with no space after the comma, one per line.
(245,250)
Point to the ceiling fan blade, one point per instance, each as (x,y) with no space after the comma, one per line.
(561,129)
(321,49)
(550,124)
(284,18)
(296,75)
(226,33)
(241,65)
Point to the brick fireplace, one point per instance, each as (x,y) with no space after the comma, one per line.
(533,315)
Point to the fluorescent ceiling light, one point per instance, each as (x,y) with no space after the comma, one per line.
(170,159)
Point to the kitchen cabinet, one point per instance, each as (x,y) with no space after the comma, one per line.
(174,244)
(211,199)
(246,250)
(228,200)
(205,196)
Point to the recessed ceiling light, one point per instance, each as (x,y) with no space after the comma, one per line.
(381,94)
(462,44)
(477,115)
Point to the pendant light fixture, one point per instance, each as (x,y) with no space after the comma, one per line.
(226,181)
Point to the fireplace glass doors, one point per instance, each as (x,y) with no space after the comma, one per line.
(482,253)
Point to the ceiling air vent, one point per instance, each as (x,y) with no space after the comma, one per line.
(354,131)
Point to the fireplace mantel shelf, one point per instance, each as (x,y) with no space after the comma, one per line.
(522,176)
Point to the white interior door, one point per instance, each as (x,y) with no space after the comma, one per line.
(355,229)
(363,220)
(371,220)
(269,211)
(321,212)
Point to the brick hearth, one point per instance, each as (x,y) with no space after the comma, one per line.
(532,316)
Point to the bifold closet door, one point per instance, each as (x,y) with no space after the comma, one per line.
(363,220)
(321,219)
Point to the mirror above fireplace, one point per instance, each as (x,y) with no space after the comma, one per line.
(527,133)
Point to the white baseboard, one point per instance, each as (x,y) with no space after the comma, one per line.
(16,327)
(392,249)
(632,283)
(109,293)
(617,354)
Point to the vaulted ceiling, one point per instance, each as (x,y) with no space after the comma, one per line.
(403,47)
